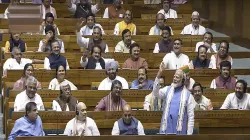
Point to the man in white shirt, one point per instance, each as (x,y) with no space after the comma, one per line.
(176,59)
(208,42)
(28,95)
(88,28)
(124,44)
(127,125)
(160,24)
(16,62)
(81,125)
(194,28)
(89,43)
(239,99)
(112,69)
(167,11)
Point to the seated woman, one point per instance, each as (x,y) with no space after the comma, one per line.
(65,101)
(21,83)
(49,20)
(45,44)
(60,75)
(201,61)
(15,41)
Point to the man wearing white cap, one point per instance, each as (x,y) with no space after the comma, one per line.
(194,28)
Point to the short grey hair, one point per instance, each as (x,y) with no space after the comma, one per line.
(64,83)
(13,50)
(31,79)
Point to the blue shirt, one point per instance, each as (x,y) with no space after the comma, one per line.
(24,127)
(148,86)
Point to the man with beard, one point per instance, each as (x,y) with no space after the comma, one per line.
(176,59)
(224,80)
(81,125)
(125,24)
(167,11)
(65,101)
(114,11)
(160,24)
(113,101)
(189,81)
(55,58)
(194,28)
(239,99)
(221,55)
(124,45)
(127,125)
(82,9)
(89,43)
(165,45)
(88,28)
(28,125)
(142,81)
(111,70)
(135,61)
(28,95)
(200,101)
(207,42)
(178,111)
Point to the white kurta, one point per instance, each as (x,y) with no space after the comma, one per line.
(116,130)
(85,30)
(57,107)
(172,61)
(202,43)
(22,99)
(191,83)
(122,47)
(91,128)
(190,30)
(170,14)
(106,13)
(203,104)
(106,83)
(232,102)
(11,64)
(55,85)
(73,8)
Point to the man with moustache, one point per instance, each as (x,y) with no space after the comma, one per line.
(176,59)
(28,125)
(142,81)
(221,55)
(124,45)
(167,11)
(82,9)
(239,99)
(81,125)
(115,10)
(178,111)
(194,28)
(111,70)
(89,43)
(113,101)
(224,80)
(127,125)
(125,24)
(160,24)
(208,42)
(165,45)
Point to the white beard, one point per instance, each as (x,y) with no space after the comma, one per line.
(176,85)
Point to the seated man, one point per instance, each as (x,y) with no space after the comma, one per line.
(224,80)
(90,24)
(152,103)
(167,11)
(208,42)
(81,125)
(28,125)
(46,8)
(89,43)
(194,28)
(189,81)
(45,45)
(165,45)
(125,24)
(239,99)
(160,24)
(113,101)
(127,125)
(15,41)
(82,9)
(55,58)
(49,20)
(221,55)
(28,95)
(200,101)
(112,69)
(135,61)
(124,45)
(114,11)
(142,81)
(201,61)
(65,101)
(176,59)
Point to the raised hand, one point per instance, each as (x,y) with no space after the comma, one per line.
(80,23)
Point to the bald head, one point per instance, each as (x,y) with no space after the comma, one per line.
(127,116)
(82,113)
(81,106)
(127,107)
